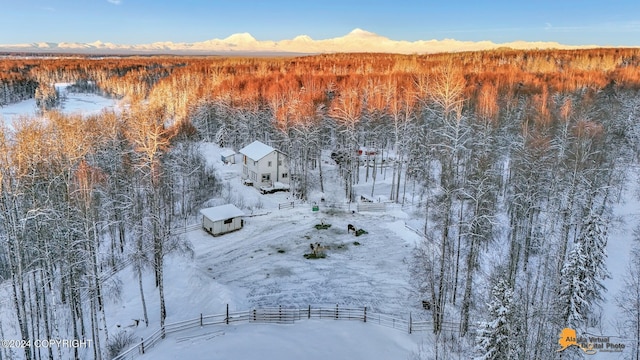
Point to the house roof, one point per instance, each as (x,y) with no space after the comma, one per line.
(222,212)
(256,150)
(227,152)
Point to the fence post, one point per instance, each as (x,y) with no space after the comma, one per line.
(200,319)
(337,316)
(309,312)
(227,319)
(280,313)
(142,345)
(365,314)
(410,323)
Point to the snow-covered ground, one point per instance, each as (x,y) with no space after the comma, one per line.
(309,339)
(619,246)
(72,103)
(265,259)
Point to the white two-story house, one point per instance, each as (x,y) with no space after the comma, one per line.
(263,166)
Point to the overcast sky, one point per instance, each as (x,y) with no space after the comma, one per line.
(571,22)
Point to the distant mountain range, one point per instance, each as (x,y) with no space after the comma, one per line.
(357,40)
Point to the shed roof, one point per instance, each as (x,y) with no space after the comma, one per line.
(227,152)
(222,212)
(256,150)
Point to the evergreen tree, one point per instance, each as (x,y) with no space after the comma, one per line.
(583,272)
(576,285)
(493,338)
(594,240)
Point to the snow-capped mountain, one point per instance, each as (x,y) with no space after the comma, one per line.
(357,40)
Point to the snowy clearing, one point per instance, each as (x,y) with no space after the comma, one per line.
(72,103)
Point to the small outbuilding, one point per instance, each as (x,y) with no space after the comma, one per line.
(228,156)
(222,219)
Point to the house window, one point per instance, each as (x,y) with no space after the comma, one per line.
(255,163)
(269,164)
(244,159)
(228,221)
(266,177)
(279,162)
(254,176)
(284,175)
(245,170)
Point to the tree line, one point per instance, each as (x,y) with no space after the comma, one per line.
(82,197)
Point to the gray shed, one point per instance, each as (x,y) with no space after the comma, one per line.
(222,219)
(228,156)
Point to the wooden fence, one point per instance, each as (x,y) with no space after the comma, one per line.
(287,205)
(356,206)
(378,206)
(275,315)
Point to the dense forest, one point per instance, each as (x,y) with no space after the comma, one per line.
(541,141)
